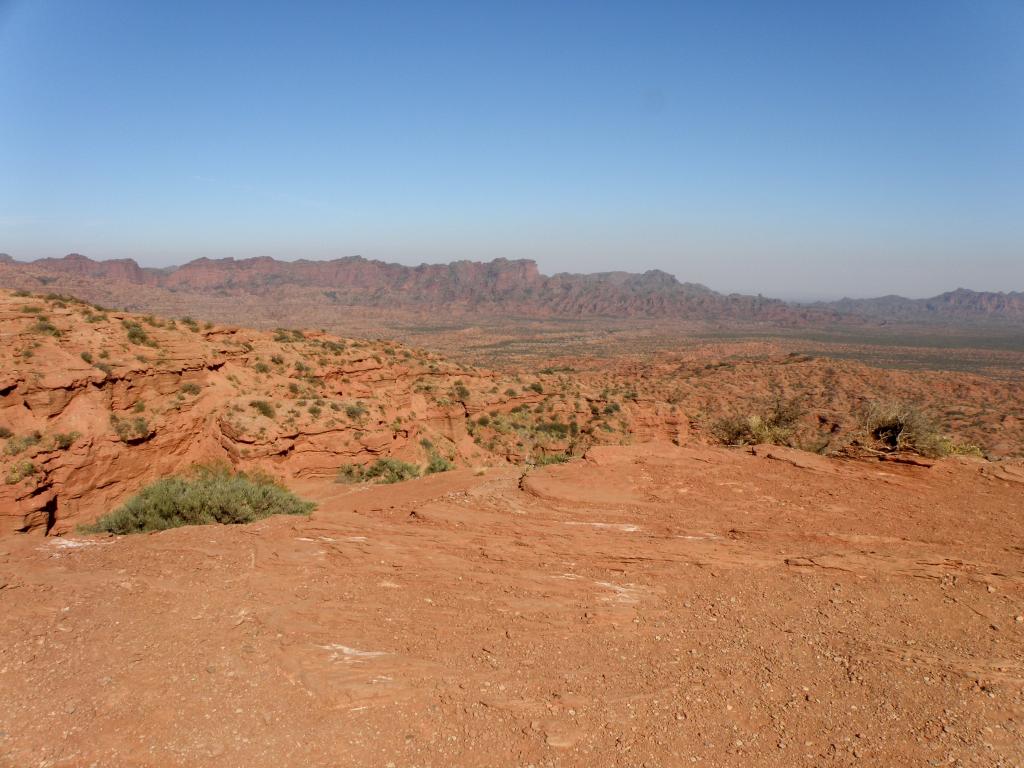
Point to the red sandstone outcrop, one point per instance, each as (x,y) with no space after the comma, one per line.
(95,404)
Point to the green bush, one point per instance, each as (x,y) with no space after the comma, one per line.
(5,433)
(438,463)
(87,356)
(356,411)
(208,494)
(137,334)
(261,367)
(190,388)
(383,471)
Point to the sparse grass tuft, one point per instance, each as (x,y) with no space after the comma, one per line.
(263,408)
(131,430)
(43,325)
(551,458)
(16,445)
(383,471)
(64,440)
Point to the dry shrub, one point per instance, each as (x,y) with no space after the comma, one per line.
(897,426)
(776,424)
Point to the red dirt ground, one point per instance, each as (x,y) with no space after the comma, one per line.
(649,605)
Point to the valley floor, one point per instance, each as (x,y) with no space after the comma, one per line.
(646,606)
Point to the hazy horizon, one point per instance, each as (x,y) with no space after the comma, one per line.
(793,150)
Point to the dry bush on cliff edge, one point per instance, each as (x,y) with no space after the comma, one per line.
(896,426)
(776,425)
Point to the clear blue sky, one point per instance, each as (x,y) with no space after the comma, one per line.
(794,149)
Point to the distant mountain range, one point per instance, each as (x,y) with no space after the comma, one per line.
(502,286)
(961,305)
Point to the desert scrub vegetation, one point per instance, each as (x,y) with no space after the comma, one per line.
(356,412)
(64,440)
(263,408)
(19,471)
(435,461)
(16,445)
(137,334)
(205,495)
(284,335)
(896,426)
(190,388)
(44,326)
(132,430)
(776,425)
(551,458)
(384,471)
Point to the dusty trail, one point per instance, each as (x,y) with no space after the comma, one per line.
(650,605)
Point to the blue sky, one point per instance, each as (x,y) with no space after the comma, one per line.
(794,149)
